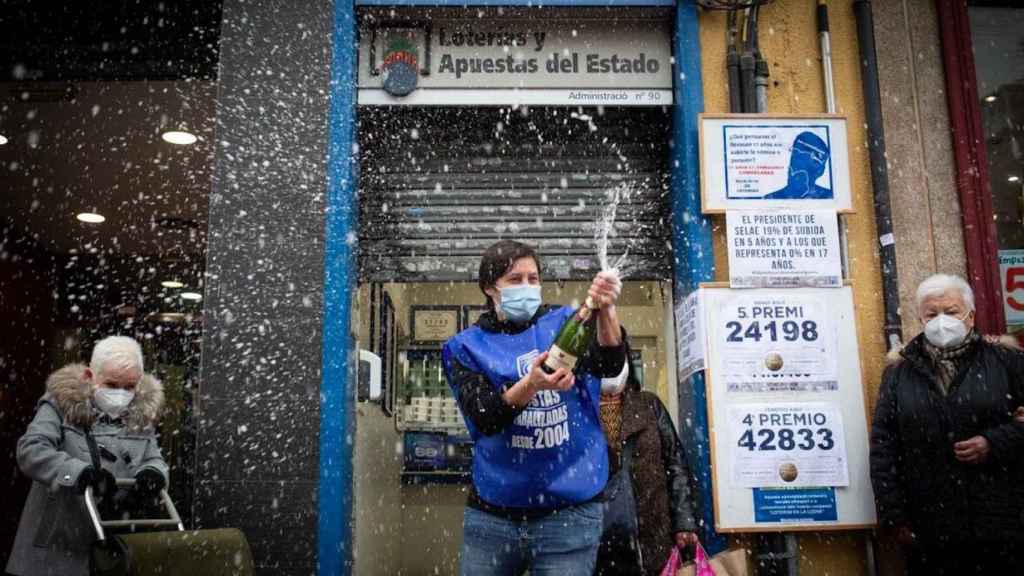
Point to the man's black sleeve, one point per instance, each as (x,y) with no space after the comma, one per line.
(481,402)
(682,516)
(605,361)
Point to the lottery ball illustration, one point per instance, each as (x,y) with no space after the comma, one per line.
(773,362)
(788,472)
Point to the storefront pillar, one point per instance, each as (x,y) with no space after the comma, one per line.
(972,181)
(337,406)
(259,405)
(693,257)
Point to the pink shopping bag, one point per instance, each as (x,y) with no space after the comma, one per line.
(701,565)
(673,564)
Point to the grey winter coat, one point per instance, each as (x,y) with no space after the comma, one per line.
(55,534)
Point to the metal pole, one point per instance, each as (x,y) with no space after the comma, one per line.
(879,171)
(761,81)
(761,71)
(732,64)
(826,56)
(94,515)
(748,63)
(825,42)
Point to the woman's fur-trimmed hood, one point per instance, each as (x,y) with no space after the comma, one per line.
(72,393)
(895,355)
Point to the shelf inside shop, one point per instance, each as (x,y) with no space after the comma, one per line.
(423,399)
(436,477)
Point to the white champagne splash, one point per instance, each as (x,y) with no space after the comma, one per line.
(605,227)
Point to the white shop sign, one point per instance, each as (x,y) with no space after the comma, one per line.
(783,248)
(515,61)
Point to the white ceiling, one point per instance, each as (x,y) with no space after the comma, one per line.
(101,151)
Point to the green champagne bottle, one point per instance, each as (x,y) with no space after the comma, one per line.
(575,336)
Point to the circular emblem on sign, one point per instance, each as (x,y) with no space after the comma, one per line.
(400,70)
(773,361)
(788,472)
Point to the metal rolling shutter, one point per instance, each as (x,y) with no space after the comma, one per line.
(439,185)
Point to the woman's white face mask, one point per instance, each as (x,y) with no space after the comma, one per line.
(112,401)
(616,384)
(945,331)
(947,319)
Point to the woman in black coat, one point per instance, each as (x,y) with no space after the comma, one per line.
(642,443)
(947,456)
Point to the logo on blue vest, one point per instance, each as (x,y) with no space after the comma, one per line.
(523,362)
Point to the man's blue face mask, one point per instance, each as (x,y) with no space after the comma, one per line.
(520,302)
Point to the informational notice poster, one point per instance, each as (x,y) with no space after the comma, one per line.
(779,341)
(689,336)
(787,417)
(795,505)
(762,162)
(787,444)
(783,248)
(1011,274)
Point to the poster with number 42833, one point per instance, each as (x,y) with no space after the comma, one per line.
(787,444)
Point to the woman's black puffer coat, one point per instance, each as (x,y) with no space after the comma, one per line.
(916,477)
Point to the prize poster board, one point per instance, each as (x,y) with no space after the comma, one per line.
(763,162)
(787,410)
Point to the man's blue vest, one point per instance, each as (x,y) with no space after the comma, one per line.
(554,453)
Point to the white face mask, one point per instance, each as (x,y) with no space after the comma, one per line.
(945,331)
(616,384)
(113,401)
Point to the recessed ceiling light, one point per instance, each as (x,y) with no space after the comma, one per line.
(991,98)
(191,296)
(3,140)
(91,218)
(171,317)
(179,137)
(1013,179)
(172,284)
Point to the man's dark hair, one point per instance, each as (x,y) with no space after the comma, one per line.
(498,259)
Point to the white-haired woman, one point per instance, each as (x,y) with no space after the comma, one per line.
(118,404)
(947,455)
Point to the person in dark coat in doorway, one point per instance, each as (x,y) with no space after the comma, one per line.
(636,423)
(947,454)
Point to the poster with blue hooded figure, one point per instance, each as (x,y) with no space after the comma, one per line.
(774,162)
(808,161)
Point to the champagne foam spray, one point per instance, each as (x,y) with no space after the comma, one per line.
(605,226)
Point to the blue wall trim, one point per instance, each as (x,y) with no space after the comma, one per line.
(691,231)
(337,412)
(529,3)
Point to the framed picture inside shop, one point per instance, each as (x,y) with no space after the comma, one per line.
(471,313)
(434,324)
